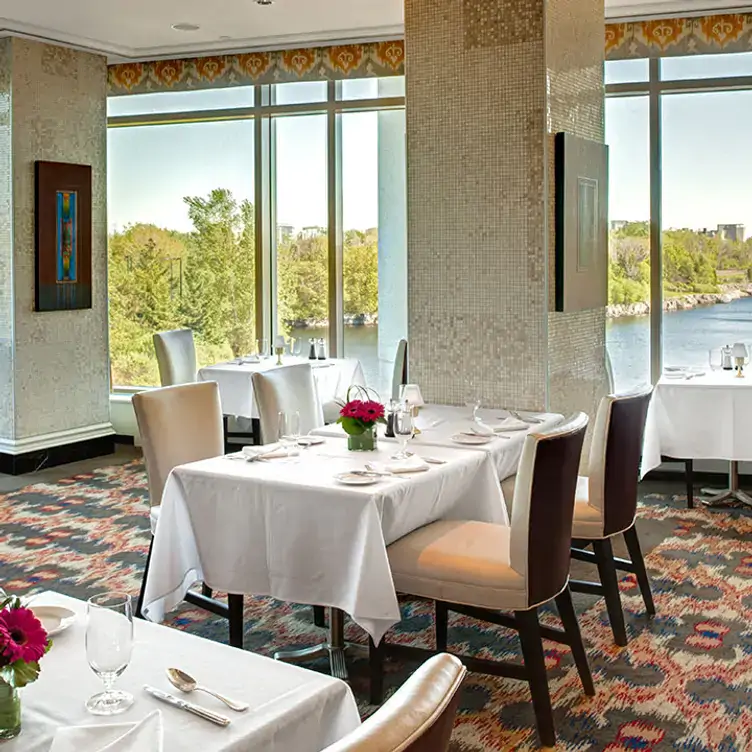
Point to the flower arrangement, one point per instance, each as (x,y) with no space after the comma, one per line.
(359,417)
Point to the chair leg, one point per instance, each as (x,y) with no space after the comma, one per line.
(607,570)
(689,477)
(376,671)
(572,628)
(140,602)
(442,619)
(206,590)
(635,554)
(535,667)
(235,605)
(319,616)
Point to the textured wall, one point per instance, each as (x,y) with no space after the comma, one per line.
(480,197)
(61,359)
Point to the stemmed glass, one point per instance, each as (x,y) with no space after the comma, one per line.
(109,644)
(289,429)
(474,404)
(403,430)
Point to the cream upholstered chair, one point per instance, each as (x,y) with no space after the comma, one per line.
(286,389)
(480,569)
(418,717)
(176,356)
(606,502)
(399,375)
(181,424)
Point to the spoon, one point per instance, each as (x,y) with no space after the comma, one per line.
(186,683)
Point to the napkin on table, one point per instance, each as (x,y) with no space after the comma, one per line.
(410,465)
(508,424)
(268,452)
(144,736)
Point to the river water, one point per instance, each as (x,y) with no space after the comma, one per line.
(687,338)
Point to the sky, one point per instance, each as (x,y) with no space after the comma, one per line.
(707,162)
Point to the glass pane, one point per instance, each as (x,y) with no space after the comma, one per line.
(301,92)
(628,327)
(707,208)
(181,242)
(302,219)
(180,101)
(706,66)
(371,88)
(626,71)
(375,250)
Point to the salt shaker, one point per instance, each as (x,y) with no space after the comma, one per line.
(312,349)
(322,349)
(391,410)
(727,362)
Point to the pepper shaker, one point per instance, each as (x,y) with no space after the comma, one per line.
(312,349)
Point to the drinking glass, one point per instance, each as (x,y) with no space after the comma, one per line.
(263,348)
(715,359)
(289,429)
(109,643)
(403,430)
(474,404)
(296,346)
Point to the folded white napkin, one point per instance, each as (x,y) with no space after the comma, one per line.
(410,465)
(268,452)
(508,424)
(144,736)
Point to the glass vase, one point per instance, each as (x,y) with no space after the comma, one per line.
(362,442)
(10,711)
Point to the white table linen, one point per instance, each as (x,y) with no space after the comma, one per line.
(289,530)
(291,708)
(703,418)
(146,734)
(332,377)
(438,423)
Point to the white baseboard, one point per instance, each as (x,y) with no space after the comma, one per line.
(58,438)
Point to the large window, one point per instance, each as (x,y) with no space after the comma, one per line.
(249,212)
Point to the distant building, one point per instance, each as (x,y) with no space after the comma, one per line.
(708,233)
(618,224)
(731,232)
(284,232)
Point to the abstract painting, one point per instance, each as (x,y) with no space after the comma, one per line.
(63,236)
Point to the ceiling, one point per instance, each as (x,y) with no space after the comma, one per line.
(142,29)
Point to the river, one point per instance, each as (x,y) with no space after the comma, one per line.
(687,338)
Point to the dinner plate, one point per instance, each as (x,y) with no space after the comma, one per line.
(460,438)
(54,618)
(350,479)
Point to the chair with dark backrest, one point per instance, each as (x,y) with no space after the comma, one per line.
(418,717)
(399,375)
(286,389)
(181,424)
(176,356)
(606,502)
(480,569)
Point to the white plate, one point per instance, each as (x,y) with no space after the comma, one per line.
(350,479)
(460,438)
(310,441)
(54,618)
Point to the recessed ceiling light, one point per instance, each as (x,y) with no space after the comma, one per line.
(264,2)
(185,27)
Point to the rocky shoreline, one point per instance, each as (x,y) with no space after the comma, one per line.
(683,302)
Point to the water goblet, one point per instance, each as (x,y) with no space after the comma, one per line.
(109,644)
(403,430)
(474,404)
(289,430)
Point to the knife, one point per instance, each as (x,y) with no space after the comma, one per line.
(207,715)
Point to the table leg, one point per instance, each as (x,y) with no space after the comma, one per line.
(732,493)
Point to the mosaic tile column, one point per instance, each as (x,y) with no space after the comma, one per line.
(488,83)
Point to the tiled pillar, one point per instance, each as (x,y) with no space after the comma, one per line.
(488,84)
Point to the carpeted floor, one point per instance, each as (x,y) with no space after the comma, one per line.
(684,681)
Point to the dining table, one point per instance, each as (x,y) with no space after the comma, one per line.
(290,708)
(288,528)
(332,376)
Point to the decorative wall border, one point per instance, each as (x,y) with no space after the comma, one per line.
(668,37)
(283,66)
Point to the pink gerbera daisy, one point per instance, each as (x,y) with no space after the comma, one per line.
(351,409)
(26,639)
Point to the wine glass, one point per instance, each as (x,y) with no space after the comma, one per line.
(289,429)
(474,404)
(296,346)
(403,430)
(109,643)
(263,348)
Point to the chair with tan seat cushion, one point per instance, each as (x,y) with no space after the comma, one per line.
(606,502)
(480,569)
(181,424)
(286,389)
(418,717)
(176,357)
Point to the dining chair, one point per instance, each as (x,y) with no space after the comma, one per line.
(418,717)
(181,424)
(606,503)
(481,569)
(176,356)
(286,389)
(399,375)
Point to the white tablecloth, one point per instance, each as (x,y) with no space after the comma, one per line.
(291,709)
(288,529)
(703,418)
(333,377)
(438,423)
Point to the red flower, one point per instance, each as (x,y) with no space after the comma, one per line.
(22,637)
(351,409)
(372,411)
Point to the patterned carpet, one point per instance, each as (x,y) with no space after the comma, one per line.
(684,682)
